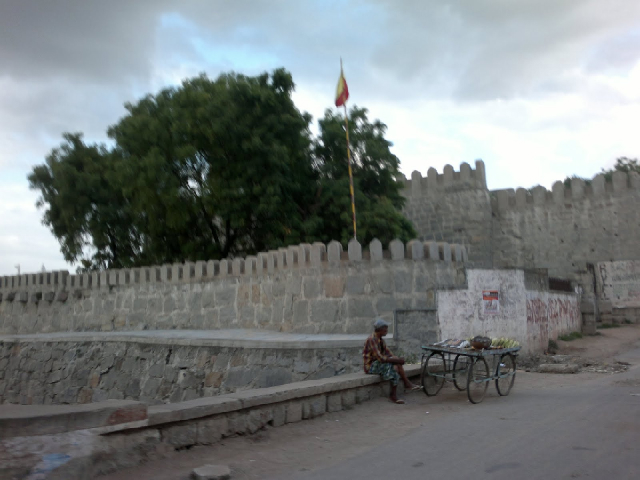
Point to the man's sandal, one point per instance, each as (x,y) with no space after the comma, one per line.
(413,388)
(397,400)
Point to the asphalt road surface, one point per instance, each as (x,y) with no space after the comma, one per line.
(590,430)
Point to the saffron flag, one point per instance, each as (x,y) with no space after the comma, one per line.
(342,92)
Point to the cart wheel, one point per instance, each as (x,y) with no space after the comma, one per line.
(478,380)
(461,372)
(506,373)
(433,372)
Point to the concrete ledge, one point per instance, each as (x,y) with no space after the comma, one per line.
(208,406)
(29,420)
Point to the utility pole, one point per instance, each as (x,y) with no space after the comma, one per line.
(18,267)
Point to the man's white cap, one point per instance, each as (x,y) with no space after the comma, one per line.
(379,323)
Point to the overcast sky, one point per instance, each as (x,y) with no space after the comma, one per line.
(538,89)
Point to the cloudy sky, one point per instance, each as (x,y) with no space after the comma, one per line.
(538,89)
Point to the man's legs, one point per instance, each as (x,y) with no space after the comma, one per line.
(387,372)
(403,376)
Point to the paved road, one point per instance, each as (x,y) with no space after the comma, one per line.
(591,430)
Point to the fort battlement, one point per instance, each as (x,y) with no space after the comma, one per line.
(435,183)
(40,286)
(579,191)
(305,288)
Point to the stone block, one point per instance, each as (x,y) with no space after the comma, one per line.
(349,398)
(397,250)
(279,414)
(271,377)
(383,282)
(182,435)
(385,304)
(213,379)
(333,287)
(334,402)
(211,430)
(360,308)
(293,256)
(558,190)
(375,250)
(559,368)
(363,394)
(312,287)
(301,312)
(294,285)
(415,250)
(356,284)
(403,282)
(324,311)
(314,407)
(355,250)
(259,418)
(211,472)
(293,412)
(334,252)
(200,270)
(225,268)
(445,251)
(237,267)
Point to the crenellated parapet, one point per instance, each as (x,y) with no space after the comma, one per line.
(59,285)
(620,185)
(449,179)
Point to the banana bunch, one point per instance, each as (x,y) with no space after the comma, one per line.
(503,342)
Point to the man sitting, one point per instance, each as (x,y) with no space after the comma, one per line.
(378,360)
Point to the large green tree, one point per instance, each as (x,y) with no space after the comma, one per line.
(218,168)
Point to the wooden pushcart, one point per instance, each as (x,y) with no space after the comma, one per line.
(469,369)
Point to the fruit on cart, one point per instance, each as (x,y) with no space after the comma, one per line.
(503,342)
(479,342)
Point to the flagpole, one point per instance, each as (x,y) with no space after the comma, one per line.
(353,202)
(342,94)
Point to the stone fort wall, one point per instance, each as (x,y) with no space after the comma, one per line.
(301,289)
(560,230)
(56,372)
(453,207)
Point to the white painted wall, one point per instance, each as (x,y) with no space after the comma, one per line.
(531,317)
(619,283)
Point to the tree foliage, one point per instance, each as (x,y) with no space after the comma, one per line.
(623,164)
(217,168)
(86,208)
(376,189)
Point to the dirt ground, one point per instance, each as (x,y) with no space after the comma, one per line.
(334,437)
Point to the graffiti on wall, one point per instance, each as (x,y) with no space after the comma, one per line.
(537,311)
(550,315)
(620,282)
(564,311)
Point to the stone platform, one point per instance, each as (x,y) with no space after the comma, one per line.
(166,366)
